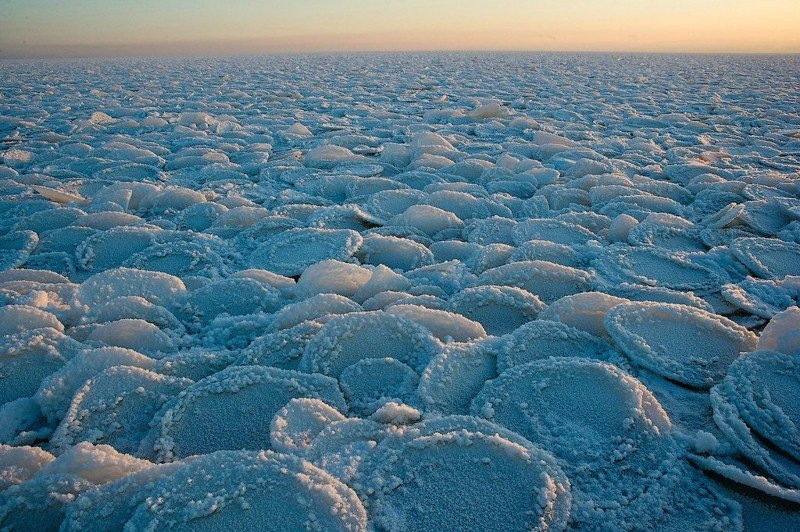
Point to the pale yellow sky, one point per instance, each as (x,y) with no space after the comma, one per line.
(101,27)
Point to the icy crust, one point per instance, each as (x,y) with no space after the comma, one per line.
(195,364)
(444,325)
(345,340)
(285,285)
(28,357)
(151,239)
(249,491)
(782,333)
(764,298)
(295,426)
(292,251)
(111,248)
(768,258)
(454,377)
(657,267)
(321,306)
(180,259)
(427,220)
(543,339)
(755,407)
(372,382)
(18,464)
(637,292)
(434,475)
(19,318)
(16,248)
(500,309)
(115,407)
(158,288)
(686,344)
(394,252)
(332,277)
(134,307)
(96,463)
(110,506)
(546,280)
(573,256)
(55,393)
(748,479)
(234,297)
(341,445)
(685,238)
(40,504)
(585,311)
(136,334)
(613,440)
(231,409)
(282,349)
(557,231)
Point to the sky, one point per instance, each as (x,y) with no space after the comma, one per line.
(64,28)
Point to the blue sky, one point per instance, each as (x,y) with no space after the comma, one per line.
(95,27)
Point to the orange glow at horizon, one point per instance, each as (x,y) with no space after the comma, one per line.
(92,27)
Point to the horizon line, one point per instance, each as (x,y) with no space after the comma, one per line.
(99,52)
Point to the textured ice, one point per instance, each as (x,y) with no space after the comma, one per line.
(585,311)
(299,422)
(158,288)
(96,463)
(332,277)
(454,377)
(132,333)
(546,280)
(768,258)
(345,340)
(755,408)
(284,284)
(40,503)
(56,391)
(606,424)
(342,257)
(115,407)
(500,309)
(543,339)
(108,507)
(436,473)
(764,298)
(17,247)
(234,297)
(394,252)
(195,363)
(556,231)
(782,333)
(29,357)
(370,383)
(18,464)
(659,267)
(250,490)
(235,407)
(181,259)
(18,318)
(689,345)
(134,307)
(321,306)
(292,251)
(573,256)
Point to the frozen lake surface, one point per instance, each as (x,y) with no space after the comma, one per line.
(400,292)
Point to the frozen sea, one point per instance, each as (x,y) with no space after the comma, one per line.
(400,292)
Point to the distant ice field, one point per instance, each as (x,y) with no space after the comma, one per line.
(400,292)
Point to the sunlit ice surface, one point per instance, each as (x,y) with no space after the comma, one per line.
(400,291)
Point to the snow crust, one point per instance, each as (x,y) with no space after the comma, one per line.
(400,292)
